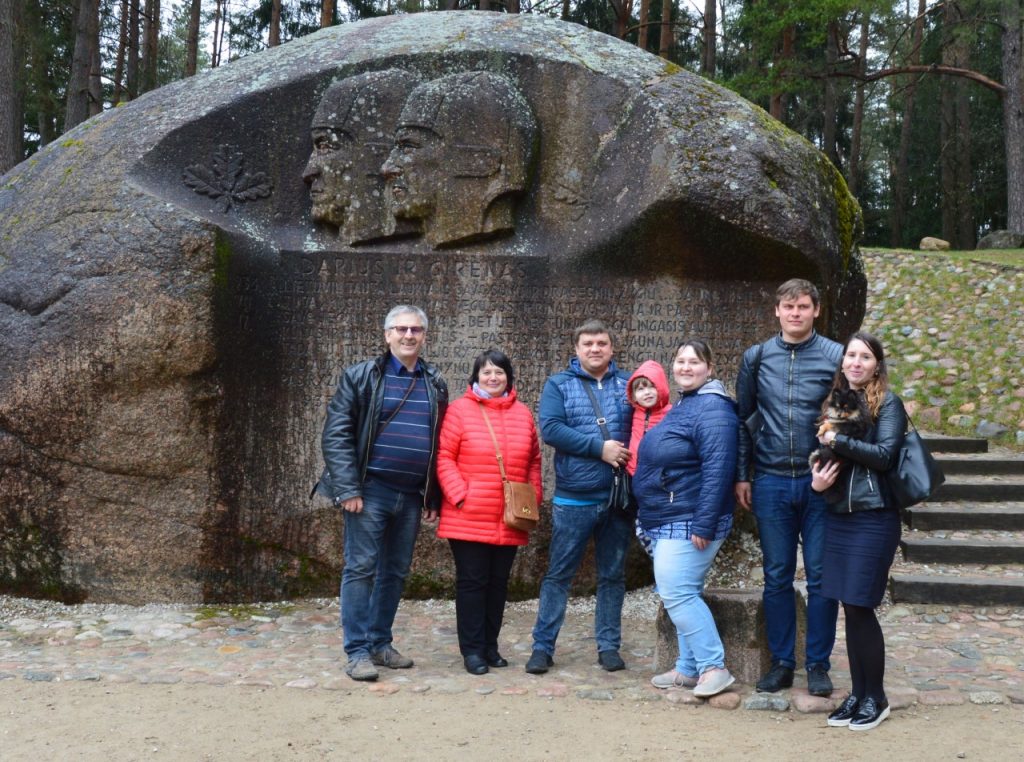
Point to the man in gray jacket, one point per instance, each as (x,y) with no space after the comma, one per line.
(380,452)
(780,389)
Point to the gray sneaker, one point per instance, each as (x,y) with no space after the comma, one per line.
(390,658)
(673,679)
(361,668)
(713,682)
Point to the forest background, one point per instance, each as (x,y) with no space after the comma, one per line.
(918,103)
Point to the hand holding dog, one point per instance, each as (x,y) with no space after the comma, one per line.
(823,477)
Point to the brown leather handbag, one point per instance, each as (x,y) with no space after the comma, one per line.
(521,510)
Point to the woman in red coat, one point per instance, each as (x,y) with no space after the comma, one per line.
(471,513)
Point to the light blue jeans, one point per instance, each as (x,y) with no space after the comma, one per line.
(573,526)
(378,553)
(679,572)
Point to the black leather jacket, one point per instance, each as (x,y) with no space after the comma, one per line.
(790,385)
(859,486)
(351,429)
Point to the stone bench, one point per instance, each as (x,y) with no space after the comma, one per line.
(739,615)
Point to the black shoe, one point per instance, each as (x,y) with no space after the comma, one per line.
(475,664)
(818,682)
(539,663)
(869,714)
(495,659)
(778,677)
(610,661)
(841,717)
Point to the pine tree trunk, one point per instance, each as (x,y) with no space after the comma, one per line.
(565,10)
(900,193)
(645,16)
(1013,115)
(954,136)
(665,44)
(192,43)
(95,81)
(11,115)
(779,98)
(122,45)
(830,106)
(274,37)
(86,40)
(707,63)
(132,72)
(150,45)
(327,14)
(853,173)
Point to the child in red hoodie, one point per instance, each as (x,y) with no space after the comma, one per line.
(651,400)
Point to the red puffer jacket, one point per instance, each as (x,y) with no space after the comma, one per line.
(644,419)
(467,467)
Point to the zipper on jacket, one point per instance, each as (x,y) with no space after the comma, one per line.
(647,419)
(789,413)
(849,491)
(671,496)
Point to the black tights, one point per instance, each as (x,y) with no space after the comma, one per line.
(866,649)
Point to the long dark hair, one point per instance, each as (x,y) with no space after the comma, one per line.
(875,389)
(495,357)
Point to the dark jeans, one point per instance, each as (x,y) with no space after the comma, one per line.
(481,589)
(788,511)
(378,553)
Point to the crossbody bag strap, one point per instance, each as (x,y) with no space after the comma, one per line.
(497,450)
(399,407)
(598,411)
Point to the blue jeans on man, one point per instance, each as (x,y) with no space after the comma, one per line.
(379,544)
(572,528)
(787,509)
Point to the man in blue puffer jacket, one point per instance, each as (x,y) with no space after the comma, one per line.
(583,478)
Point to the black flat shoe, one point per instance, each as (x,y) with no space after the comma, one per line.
(869,714)
(841,717)
(495,659)
(475,664)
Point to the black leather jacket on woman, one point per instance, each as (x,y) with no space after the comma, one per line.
(859,486)
(351,429)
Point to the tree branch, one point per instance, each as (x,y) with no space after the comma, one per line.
(950,71)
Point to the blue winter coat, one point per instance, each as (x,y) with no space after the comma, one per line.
(568,423)
(687,463)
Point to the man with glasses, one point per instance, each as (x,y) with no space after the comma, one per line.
(380,449)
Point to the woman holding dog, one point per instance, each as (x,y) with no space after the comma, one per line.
(684,488)
(484,548)
(862,527)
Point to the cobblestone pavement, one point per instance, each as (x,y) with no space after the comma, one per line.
(937,655)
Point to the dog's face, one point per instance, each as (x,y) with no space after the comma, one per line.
(844,405)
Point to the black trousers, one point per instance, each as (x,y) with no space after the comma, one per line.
(481,589)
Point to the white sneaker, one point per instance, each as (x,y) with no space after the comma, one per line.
(673,679)
(713,682)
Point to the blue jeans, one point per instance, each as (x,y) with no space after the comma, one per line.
(787,509)
(679,571)
(573,526)
(378,552)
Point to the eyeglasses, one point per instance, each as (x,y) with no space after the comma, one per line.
(415,330)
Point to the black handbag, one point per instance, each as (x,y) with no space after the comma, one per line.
(620,500)
(916,474)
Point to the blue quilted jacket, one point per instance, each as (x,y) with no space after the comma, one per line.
(568,424)
(686,463)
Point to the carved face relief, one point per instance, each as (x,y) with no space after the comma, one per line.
(413,172)
(329,175)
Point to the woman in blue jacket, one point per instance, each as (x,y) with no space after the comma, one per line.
(684,487)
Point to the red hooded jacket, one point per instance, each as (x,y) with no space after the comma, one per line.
(467,467)
(645,418)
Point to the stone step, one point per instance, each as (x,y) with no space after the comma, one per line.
(981,489)
(929,516)
(953,466)
(915,588)
(956,551)
(955,444)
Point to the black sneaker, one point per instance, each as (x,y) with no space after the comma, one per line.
(778,677)
(610,661)
(869,714)
(818,682)
(539,663)
(841,717)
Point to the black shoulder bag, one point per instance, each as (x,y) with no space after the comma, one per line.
(916,475)
(620,499)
